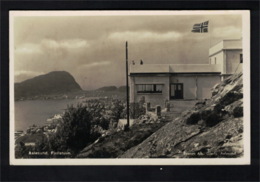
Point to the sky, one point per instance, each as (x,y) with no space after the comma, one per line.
(92,48)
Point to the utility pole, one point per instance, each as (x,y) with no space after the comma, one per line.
(127,90)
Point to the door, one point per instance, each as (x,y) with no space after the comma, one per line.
(176,91)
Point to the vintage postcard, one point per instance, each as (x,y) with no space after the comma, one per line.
(130,87)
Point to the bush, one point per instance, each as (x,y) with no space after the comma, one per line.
(117,110)
(193,118)
(136,110)
(104,123)
(205,114)
(75,131)
(230,97)
(83,124)
(238,112)
(212,119)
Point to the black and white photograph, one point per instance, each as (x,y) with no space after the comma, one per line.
(129,87)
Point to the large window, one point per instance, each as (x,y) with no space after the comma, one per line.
(149,88)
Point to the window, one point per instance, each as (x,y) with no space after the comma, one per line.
(149,88)
(158,88)
(241,58)
(215,60)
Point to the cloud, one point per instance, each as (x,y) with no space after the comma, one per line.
(141,36)
(23,75)
(66,44)
(52,45)
(28,48)
(95,64)
(92,48)
(227,32)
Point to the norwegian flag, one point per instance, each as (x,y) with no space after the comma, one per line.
(201,27)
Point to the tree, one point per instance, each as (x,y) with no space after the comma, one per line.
(75,131)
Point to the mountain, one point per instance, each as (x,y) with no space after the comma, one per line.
(56,82)
(108,88)
(122,89)
(112,88)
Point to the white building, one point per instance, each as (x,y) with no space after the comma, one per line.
(161,82)
(228,54)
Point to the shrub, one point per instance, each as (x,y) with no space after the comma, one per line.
(117,109)
(238,112)
(212,118)
(230,97)
(136,110)
(205,114)
(104,123)
(75,131)
(193,118)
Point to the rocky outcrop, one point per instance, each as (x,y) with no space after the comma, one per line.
(213,128)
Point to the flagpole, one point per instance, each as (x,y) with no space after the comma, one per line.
(127,90)
(209,28)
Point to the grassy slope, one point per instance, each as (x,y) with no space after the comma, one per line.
(116,144)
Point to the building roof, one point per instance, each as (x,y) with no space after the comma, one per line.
(226,45)
(175,68)
(150,68)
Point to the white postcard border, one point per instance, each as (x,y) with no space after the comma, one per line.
(245,160)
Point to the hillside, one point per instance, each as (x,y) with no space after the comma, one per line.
(57,82)
(108,88)
(112,89)
(211,129)
(111,146)
(122,89)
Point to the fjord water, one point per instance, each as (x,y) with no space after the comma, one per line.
(36,112)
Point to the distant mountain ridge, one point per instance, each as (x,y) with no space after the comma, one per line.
(56,82)
(112,88)
(107,88)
